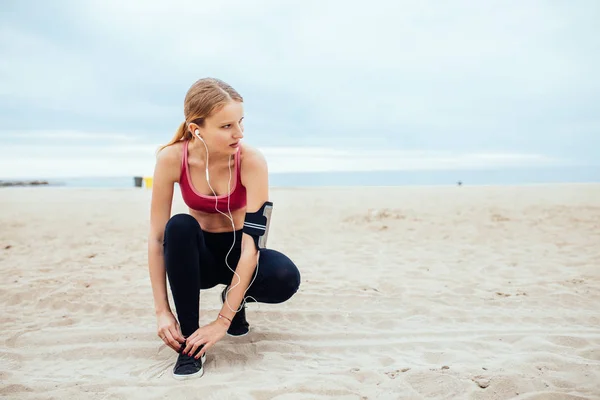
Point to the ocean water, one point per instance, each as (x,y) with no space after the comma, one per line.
(504,176)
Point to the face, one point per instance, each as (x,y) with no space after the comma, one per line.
(224,129)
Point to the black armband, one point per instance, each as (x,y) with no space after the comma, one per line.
(256,224)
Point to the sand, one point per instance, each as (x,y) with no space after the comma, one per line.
(407,293)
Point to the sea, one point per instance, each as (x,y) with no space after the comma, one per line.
(503,176)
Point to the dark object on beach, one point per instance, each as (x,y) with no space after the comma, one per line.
(22,183)
(137,180)
(459,183)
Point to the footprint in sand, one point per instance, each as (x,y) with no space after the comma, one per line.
(14,389)
(437,384)
(394,374)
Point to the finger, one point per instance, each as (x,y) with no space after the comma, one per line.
(196,346)
(205,347)
(163,332)
(170,341)
(177,330)
(194,337)
(163,337)
(176,334)
(188,345)
(181,347)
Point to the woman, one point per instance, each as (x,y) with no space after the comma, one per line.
(225,185)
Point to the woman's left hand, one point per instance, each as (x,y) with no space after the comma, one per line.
(207,336)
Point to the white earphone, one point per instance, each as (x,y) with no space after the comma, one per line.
(230,217)
(197,132)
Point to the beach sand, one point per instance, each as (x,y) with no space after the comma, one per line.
(407,293)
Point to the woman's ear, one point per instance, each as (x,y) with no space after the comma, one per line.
(191,128)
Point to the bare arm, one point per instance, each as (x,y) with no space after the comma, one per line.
(255,178)
(160,211)
(165,175)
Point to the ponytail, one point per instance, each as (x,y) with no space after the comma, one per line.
(180,135)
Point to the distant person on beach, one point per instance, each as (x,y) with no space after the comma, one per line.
(222,240)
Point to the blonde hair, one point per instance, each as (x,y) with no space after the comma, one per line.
(204,97)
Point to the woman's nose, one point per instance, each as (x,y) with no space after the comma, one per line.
(239,132)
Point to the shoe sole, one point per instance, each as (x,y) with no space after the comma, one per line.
(243,334)
(195,374)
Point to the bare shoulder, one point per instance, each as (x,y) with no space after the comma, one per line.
(252,158)
(255,176)
(168,160)
(170,154)
(253,163)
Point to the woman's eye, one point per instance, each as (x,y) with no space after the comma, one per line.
(228,125)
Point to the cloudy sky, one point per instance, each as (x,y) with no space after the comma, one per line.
(93,87)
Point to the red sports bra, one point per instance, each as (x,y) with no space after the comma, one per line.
(201,202)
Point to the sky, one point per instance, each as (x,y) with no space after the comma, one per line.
(94,87)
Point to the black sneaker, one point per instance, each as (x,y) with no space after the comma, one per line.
(187,367)
(239,326)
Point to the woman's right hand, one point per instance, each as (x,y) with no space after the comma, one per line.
(169,331)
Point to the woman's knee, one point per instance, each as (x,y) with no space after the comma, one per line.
(180,244)
(181,226)
(285,278)
(290,274)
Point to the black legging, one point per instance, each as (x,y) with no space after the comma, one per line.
(195,259)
